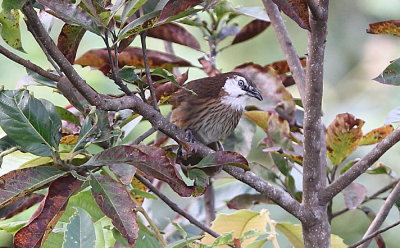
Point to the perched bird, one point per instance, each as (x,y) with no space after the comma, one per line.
(214,111)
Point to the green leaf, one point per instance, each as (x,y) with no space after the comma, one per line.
(348,165)
(85,201)
(41,80)
(55,239)
(116,203)
(258,243)
(12,227)
(73,14)
(128,74)
(254,11)
(130,8)
(80,231)
(140,24)
(10,29)
(6,143)
(8,5)
(147,240)
(17,183)
(66,115)
(391,74)
(223,239)
(32,124)
(201,180)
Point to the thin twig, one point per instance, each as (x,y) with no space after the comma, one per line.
(287,46)
(382,214)
(40,43)
(175,207)
(372,235)
(372,197)
(114,67)
(27,64)
(147,70)
(143,136)
(360,167)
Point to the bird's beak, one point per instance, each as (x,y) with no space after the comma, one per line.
(254,92)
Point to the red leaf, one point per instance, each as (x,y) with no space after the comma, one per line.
(250,30)
(69,39)
(174,33)
(152,161)
(49,212)
(297,10)
(20,205)
(386,27)
(116,203)
(124,172)
(174,7)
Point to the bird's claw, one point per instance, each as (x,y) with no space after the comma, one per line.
(189,137)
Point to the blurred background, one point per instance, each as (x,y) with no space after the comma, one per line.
(353,59)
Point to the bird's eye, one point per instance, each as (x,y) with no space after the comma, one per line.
(241,83)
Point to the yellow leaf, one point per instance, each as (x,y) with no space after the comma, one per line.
(260,118)
(376,135)
(342,137)
(238,223)
(294,234)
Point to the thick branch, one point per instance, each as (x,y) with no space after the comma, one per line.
(382,214)
(374,234)
(175,207)
(360,167)
(287,46)
(27,64)
(315,9)
(154,117)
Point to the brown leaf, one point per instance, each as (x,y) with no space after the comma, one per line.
(342,137)
(297,10)
(386,27)
(282,67)
(116,203)
(132,56)
(208,67)
(124,43)
(174,33)
(174,7)
(17,183)
(250,30)
(20,205)
(376,135)
(69,39)
(49,212)
(152,161)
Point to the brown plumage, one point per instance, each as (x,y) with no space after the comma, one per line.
(215,111)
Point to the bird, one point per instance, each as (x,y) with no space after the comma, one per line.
(210,108)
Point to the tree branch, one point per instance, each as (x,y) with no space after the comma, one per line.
(372,235)
(382,214)
(360,167)
(287,46)
(143,136)
(27,64)
(209,203)
(175,207)
(154,117)
(315,9)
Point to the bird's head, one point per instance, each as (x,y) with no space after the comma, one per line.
(237,89)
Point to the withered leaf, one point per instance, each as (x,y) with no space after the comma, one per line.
(116,203)
(297,10)
(342,137)
(69,39)
(132,56)
(174,33)
(49,212)
(251,30)
(174,7)
(386,27)
(376,135)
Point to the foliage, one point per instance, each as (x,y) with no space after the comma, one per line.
(87,177)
